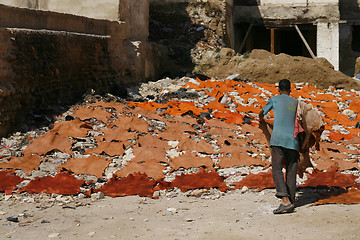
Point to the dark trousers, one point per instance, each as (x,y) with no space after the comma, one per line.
(287,187)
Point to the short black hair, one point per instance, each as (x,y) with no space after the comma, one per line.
(285,85)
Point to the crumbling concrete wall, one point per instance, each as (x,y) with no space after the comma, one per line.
(42,68)
(31,19)
(180,25)
(49,58)
(276,12)
(136,14)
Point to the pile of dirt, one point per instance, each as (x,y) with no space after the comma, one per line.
(263,66)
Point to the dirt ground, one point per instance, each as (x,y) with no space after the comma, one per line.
(234,215)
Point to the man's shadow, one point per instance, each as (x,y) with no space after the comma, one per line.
(307,195)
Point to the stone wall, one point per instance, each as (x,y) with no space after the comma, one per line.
(42,68)
(49,59)
(277,13)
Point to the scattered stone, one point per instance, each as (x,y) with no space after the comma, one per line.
(97,196)
(7,197)
(350,114)
(244,189)
(156,194)
(172,210)
(91,234)
(233,77)
(54,235)
(2,213)
(81,196)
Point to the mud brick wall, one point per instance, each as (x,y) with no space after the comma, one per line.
(43,68)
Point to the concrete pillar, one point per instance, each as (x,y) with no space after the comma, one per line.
(328,42)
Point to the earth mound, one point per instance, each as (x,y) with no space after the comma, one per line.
(265,67)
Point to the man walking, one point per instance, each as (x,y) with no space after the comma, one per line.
(284,147)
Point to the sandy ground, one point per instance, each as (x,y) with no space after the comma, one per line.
(234,215)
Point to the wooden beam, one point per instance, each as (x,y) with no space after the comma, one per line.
(272,40)
(246,38)
(305,42)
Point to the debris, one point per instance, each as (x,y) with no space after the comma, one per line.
(7,197)
(54,235)
(68,207)
(97,196)
(172,210)
(12,219)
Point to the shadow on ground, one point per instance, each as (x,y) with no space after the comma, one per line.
(308,196)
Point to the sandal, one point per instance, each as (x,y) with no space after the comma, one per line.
(284,209)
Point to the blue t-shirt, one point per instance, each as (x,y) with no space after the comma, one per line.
(284,108)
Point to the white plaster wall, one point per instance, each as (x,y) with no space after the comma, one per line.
(328,42)
(298,2)
(98,9)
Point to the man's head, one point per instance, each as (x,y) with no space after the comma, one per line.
(284,86)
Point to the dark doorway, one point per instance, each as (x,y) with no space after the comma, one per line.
(289,41)
(258,38)
(355,44)
(285,40)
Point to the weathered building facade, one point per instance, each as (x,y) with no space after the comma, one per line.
(312,28)
(52,52)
